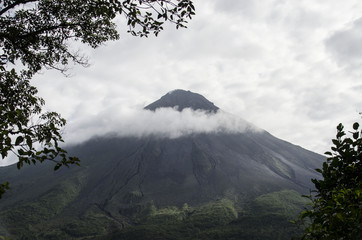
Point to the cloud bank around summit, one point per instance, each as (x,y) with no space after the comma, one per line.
(138,122)
(164,122)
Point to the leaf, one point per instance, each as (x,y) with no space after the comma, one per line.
(355,135)
(325,166)
(336,142)
(8,141)
(339,216)
(19,165)
(56,167)
(19,140)
(340,127)
(340,134)
(29,142)
(356,126)
(21,151)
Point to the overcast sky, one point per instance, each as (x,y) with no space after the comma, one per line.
(292,68)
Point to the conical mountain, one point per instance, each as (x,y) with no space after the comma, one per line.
(122,179)
(182,99)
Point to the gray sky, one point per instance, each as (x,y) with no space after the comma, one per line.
(292,68)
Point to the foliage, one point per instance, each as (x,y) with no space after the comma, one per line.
(336,209)
(23,126)
(220,220)
(213,214)
(286,203)
(166,215)
(33,216)
(37,34)
(208,215)
(49,217)
(3,187)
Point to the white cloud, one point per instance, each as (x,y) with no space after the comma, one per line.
(345,46)
(164,122)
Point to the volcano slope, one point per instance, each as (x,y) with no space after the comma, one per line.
(218,185)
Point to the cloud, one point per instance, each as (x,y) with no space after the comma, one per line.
(345,46)
(10,159)
(164,122)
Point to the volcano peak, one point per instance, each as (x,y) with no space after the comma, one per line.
(182,99)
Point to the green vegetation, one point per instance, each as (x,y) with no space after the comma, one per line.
(30,218)
(284,203)
(167,215)
(266,217)
(49,216)
(336,208)
(214,214)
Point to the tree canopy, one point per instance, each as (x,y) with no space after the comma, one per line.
(38,34)
(336,209)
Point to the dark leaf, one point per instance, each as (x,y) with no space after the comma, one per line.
(19,140)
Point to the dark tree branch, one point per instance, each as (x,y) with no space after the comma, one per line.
(11,6)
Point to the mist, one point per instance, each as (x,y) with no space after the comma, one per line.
(138,122)
(164,122)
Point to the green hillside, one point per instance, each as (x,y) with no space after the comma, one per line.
(266,217)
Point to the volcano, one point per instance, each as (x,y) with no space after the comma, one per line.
(122,180)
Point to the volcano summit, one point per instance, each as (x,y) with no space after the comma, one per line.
(181,99)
